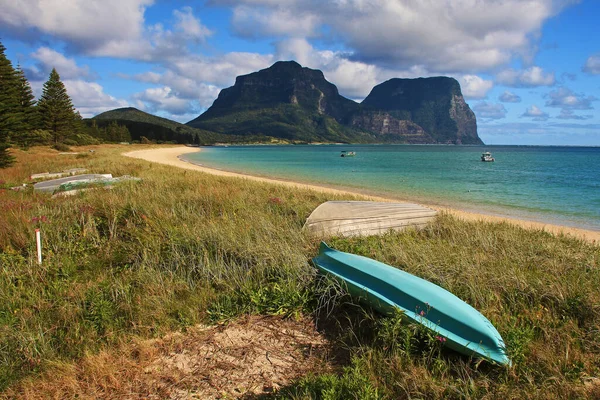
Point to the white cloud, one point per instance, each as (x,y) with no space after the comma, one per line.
(592,65)
(220,71)
(474,87)
(190,26)
(165,99)
(66,67)
(487,110)
(565,98)
(530,77)
(81,23)
(448,35)
(111,28)
(509,97)
(535,113)
(89,98)
(255,22)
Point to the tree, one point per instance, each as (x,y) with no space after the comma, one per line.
(56,110)
(10,116)
(26,135)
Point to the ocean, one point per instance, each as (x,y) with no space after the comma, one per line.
(557,185)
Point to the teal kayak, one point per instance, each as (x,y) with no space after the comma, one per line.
(386,289)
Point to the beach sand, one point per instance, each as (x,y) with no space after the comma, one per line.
(170,156)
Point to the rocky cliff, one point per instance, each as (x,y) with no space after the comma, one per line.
(435,104)
(298,104)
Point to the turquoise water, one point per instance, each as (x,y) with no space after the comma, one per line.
(559,185)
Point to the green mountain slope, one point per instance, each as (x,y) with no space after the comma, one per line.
(285,101)
(156,128)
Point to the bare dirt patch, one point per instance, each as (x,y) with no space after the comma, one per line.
(252,356)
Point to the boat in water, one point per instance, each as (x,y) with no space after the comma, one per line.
(388,289)
(487,157)
(347,153)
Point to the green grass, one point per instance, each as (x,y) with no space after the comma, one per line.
(181,248)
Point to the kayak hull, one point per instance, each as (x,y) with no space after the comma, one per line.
(387,289)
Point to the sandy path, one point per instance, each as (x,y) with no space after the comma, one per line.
(170,156)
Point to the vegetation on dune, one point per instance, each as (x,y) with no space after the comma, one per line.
(162,130)
(178,249)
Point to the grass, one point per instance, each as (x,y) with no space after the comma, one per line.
(182,248)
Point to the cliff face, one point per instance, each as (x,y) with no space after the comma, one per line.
(390,129)
(435,104)
(282,83)
(299,104)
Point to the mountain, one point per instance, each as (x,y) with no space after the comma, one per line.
(285,101)
(156,128)
(435,104)
(160,129)
(298,104)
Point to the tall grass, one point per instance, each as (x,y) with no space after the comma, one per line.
(181,247)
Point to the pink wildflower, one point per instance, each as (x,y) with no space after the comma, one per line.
(275,200)
(422,313)
(441,338)
(35,220)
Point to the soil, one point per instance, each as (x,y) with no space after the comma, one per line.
(249,358)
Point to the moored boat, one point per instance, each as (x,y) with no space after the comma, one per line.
(386,289)
(487,157)
(348,153)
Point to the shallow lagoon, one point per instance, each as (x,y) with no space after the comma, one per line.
(558,185)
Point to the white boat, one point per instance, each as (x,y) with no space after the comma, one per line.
(348,153)
(487,157)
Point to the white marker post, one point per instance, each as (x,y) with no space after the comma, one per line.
(38,240)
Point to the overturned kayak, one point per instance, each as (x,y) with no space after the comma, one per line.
(386,288)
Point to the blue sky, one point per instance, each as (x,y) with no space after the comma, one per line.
(530,69)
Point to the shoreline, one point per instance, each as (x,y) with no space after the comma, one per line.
(171,156)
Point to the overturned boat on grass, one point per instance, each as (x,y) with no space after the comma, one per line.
(387,289)
(77,183)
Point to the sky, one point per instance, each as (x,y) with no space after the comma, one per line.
(529,69)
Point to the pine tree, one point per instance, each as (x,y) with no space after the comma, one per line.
(56,109)
(10,115)
(26,136)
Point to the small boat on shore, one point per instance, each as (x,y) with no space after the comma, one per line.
(487,157)
(387,289)
(364,218)
(347,153)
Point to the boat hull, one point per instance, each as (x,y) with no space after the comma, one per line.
(387,289)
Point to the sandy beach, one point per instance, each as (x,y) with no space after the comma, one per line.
(170,156)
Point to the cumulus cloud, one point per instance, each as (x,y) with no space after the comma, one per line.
(489,110)
(82,24)
(190,26)
(112,28)
(89,98)
(569,114)
(163,98)
(592,65)
(535,113)
(257,22)
(220,71)
(509,97)
(47,59)
(469,35)
(565,98)
(181,86)
(530,77)
(474,87)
